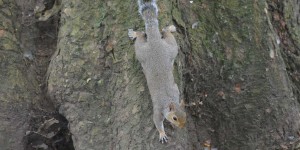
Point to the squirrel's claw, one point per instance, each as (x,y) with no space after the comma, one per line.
(163,138)
(131,34)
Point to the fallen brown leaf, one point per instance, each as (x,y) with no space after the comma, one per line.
(237,88)
(207,143)
(2,33)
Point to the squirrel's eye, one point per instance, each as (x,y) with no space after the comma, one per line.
(175,118)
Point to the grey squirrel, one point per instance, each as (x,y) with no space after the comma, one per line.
(156,53)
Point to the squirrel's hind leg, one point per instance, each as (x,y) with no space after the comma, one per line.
(171,28)
(132,34)
(136,35)
(168,36)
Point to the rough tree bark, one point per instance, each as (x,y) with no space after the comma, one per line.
(98,84)
(237,70)
(18,89)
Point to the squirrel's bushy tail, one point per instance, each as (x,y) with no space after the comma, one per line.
(148,10)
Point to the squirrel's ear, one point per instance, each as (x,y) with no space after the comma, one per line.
(182,104)
(171,106)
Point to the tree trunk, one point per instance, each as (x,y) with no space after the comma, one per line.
(98,84)
(18,90)
(237,70)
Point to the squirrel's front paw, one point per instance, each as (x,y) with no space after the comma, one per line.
(163,137)
(131,34)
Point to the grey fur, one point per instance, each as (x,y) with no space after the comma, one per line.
(156,52)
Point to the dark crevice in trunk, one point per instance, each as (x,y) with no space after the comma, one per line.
(48,129)
(48,132)
(46,120)
(291,50)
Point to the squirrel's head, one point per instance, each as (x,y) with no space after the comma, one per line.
(176,114)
